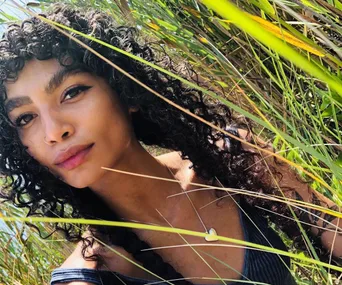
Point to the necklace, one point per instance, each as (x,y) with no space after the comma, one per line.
(211,233)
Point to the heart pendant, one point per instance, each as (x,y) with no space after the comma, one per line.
(211,236)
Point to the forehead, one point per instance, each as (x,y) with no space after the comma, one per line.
(33,77)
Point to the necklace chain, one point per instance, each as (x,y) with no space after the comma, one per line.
(211,233)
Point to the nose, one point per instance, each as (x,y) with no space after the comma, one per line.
(56,127)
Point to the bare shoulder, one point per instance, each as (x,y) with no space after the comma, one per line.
(174,161)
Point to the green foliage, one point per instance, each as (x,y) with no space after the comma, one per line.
(292,100)
(25,258)
(279,64)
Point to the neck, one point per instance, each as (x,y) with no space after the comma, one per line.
(136,198)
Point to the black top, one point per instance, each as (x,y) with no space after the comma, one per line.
(259,266)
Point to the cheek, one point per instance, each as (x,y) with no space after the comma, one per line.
(109,117)
(36,148)
(39,155)
(43,156)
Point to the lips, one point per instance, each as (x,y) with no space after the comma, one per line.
(63,156)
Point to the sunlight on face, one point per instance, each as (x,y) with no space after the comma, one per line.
(71,121)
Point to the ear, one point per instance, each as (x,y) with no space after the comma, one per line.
(133,109)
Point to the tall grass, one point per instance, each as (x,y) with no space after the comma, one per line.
(276,62)
(25,258)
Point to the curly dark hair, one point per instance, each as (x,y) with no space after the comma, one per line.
(31,185)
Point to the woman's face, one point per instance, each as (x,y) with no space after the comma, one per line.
(70,121)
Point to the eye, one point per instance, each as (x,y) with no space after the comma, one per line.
(74,91)
(24,119)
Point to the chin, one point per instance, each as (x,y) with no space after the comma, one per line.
(90,175)
(78,186)
(78,183)
(82,176)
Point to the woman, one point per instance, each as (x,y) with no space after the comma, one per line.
(65,113)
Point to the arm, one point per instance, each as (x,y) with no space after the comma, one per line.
(75,283)
(76,260)
(109,261)
(323,225)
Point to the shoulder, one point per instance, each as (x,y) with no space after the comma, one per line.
(174,161)
(111,257)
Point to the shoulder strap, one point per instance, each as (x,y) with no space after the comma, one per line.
(64,275)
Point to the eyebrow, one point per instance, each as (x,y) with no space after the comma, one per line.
(55,81)
(17,102)
(58,78)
